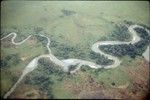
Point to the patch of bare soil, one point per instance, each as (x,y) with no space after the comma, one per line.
(139,87)
(87,85)
(32,41)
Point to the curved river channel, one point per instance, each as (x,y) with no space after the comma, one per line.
(65,64)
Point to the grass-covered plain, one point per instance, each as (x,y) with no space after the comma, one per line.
(72,26)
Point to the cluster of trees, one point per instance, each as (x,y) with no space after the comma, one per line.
(54,43)
(128,22)
(63,50)
(100,59)
(72,67)
(131,50)
(93,72)
(120,33)
(49,67)
(37,30)
(66,51)
(119,50)
(12,59)
(43,40)
(67,12)
(142,33)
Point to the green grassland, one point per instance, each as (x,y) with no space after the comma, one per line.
(72,35)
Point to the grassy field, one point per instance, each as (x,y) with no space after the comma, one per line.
(77,25)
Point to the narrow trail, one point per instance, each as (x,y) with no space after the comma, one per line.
(65,64)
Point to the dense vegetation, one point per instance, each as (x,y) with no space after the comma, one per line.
(12,59)
(120,33)
(43,40)
(45,76)
(130,50)
(100,59)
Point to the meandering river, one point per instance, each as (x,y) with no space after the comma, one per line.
(65,63)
